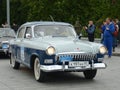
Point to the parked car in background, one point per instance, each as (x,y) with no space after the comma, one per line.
(6,34)
(54,46)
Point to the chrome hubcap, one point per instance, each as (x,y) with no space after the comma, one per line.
(37,69)
(12,60)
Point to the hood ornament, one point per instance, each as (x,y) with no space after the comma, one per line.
(78,49)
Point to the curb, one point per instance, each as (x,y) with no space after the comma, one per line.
(116,54)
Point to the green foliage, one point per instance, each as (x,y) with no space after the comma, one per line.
(62,10)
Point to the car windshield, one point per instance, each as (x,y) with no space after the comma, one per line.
(54,31)
(7,33)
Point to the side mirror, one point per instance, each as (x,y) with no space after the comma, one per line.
(28,36)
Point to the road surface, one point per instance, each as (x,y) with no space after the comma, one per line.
(23,79)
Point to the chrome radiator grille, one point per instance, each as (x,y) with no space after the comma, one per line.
(78,57)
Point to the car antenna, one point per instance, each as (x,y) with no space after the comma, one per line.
(52,18)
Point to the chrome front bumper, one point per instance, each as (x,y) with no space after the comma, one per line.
(53,68)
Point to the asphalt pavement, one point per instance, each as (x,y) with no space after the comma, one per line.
(117,51)
(23,79)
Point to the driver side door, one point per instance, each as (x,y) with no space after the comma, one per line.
(19,49)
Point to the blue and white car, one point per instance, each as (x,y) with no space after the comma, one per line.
(54,46)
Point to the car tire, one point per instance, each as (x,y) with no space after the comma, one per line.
(14,64)
(39,74)
(90,74)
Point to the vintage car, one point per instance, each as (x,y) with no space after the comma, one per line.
(54,46)
(6,34)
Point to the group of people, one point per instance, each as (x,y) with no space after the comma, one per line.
(109,33)
(14,26)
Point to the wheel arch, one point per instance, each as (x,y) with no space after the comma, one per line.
(32,59)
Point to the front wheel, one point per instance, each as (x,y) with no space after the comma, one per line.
(13,62)
(39,75)
(90,74)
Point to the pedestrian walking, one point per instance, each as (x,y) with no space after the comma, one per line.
(90,31)
(115,35)
(108,36)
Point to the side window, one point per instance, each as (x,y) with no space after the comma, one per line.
(21,32)
(28,31)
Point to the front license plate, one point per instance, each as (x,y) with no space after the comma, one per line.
(4,46)
(78,64)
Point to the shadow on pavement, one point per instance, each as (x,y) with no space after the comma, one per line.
(59,77)
(66,77)
(3,56)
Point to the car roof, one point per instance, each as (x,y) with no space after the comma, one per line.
(44,23)
(6,29)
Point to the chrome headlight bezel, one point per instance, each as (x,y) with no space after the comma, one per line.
(50,50)
(102,50)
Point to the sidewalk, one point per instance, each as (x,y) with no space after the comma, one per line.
(117,49)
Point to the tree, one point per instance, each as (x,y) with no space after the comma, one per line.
(62,10)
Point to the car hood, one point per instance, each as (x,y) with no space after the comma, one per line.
(2,39)
(71,45)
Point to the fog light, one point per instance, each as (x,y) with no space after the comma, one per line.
(48,61)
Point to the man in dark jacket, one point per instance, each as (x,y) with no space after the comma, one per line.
(15,27)
(90,31)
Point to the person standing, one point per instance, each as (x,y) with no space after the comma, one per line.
(5,25)
(90,31)
(103,27)
(115,35)
(78,27)
(108,36)
(15,27)
(118,23)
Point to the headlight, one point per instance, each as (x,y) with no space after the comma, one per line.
(103,50)
(50,50)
